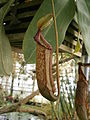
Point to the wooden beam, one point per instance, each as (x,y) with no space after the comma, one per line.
(74,33)
(22,15)
(29,4)
(69,50)
(72,41)
(17,50)
(19,27)
(84,64)
(74,25)
(16,37)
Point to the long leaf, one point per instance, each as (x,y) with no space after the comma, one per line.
(83,7)
(3,1)
(64,9)
(5,49)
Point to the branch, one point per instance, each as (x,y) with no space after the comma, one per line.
(25,100)
(15,106)
(31,111)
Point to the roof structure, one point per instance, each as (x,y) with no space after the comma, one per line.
(19,17)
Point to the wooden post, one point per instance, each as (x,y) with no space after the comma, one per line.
(86,59)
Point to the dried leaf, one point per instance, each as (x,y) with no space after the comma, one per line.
(45,21)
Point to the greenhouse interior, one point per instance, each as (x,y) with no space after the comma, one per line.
(44,59)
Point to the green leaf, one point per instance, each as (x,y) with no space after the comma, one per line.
(88,4)
(5,49)
(3,1)
(4,10)
(64,9)
(77,47)
(83,7)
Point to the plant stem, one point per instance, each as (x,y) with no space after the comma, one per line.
(57,51)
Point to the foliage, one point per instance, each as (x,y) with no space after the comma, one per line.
(83,14)
(65,10)
(77,47)
(3,1)
(5,49)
